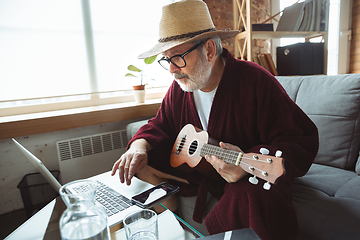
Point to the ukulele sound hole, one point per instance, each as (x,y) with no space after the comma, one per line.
(193,147)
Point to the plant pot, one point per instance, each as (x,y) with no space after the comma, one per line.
(139,93)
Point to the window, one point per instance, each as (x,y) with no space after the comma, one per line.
(122,33)
(64,50)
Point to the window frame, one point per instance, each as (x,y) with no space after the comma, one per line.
(93,98)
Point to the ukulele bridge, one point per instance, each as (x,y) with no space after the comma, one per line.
(180,144)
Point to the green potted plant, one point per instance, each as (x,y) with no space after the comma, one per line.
(139,90)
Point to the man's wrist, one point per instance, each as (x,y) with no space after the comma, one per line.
(141,144)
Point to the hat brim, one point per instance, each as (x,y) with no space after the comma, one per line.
(164,46)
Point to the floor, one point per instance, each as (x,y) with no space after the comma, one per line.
(10,221)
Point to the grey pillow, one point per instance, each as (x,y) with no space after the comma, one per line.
(333,103)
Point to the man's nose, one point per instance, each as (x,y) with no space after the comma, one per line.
(173,68)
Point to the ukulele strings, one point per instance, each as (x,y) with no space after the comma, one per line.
(186,146)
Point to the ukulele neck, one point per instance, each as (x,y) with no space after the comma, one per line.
(226,155)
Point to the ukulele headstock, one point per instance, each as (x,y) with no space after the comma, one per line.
(266,167)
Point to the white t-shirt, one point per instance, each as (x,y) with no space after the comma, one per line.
(203,103)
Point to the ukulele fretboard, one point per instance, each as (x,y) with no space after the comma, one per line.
(228,156)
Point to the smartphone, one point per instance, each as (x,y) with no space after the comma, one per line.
(154,195)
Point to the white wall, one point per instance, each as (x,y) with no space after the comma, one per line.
(14,165)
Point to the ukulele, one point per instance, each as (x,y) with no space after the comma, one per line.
(191,146)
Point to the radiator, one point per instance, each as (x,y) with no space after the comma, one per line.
(87,156)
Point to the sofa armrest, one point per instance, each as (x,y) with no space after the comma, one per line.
(132,128)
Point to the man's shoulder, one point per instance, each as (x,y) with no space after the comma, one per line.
(244,66)
(247,71)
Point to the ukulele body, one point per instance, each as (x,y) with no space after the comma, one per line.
(187,150)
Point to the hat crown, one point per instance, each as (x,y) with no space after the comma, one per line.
(185,21)
(184,17)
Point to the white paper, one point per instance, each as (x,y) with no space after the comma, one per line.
(228,235)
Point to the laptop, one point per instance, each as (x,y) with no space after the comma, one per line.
(111,194)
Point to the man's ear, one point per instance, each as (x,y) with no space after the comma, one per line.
(210,50)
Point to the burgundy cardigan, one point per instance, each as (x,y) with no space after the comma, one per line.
(250,110)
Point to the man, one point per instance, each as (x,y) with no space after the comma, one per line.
(235,101)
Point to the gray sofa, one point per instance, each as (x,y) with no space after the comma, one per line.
(327,198)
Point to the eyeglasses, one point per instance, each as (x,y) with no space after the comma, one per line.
(177,60)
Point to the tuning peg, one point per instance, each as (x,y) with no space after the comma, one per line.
(253,180)
(264,151)
(278,153)
(267,186)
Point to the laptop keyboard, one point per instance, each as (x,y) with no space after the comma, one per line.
(111,200)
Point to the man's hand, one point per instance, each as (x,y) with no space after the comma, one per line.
(132,161)
(229,172)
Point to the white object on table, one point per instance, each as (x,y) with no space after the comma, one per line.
(34,227)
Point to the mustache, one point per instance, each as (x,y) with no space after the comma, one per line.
(181,75)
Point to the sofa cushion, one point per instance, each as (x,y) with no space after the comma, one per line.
(328,180)
(357,168)
(351,189)
(333,103)
(329,218)
(327,203)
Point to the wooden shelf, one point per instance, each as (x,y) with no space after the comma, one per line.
(280,34)
(242,19)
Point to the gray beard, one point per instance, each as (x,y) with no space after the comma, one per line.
(198,80)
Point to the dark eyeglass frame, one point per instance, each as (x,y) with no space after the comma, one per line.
(168,60)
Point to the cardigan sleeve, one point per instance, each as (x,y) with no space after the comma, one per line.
(283,126)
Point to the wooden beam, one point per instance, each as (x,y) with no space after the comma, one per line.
(249,32)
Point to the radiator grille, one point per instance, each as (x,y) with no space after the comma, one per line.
(89,145)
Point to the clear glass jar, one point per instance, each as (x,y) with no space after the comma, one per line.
(82,219)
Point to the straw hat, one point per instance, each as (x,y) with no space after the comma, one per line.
(185,21)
